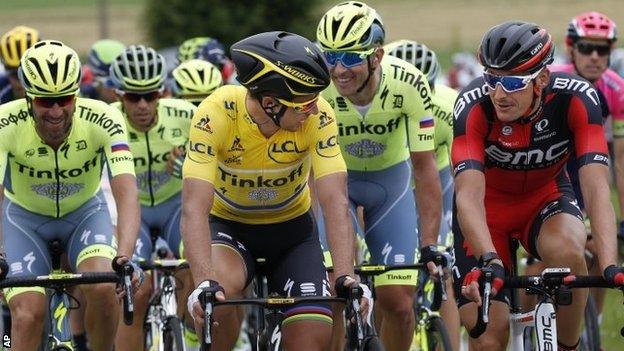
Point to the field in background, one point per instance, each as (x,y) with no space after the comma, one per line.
(445,25)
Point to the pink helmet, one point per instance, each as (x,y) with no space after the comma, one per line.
(591,25)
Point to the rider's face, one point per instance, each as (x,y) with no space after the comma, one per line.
(141,109)
(591,57)
(511,106)
(348,80)
(53,117)
(293,119)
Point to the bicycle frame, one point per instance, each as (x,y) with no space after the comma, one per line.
(543,318)
(59,333)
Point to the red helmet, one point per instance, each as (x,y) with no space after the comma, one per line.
(591,25)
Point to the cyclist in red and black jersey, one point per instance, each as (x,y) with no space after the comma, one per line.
(514,130)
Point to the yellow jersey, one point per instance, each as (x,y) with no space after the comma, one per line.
(258,180)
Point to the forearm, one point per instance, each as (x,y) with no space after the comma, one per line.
(473,223)
(429,199)
(197,245)
(602,216)
(128,218)
(340,236)
(619,174)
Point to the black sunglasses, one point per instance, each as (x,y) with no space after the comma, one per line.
(136,97)
(589,48)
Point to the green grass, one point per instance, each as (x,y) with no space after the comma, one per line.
(612,322)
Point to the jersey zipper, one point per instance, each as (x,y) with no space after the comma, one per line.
(58,185)
(149,169)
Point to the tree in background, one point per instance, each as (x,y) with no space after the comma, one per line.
(170,22)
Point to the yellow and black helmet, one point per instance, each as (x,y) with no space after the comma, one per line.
(195,79)
(138,69)
(280,64)
(350,26)
(50,68)
(191,48)
(15,42)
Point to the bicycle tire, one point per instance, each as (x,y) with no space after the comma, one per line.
(437,336)
(590,337)
(172,334)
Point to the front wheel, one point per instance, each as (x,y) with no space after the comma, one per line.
(435,336)
(172,337)
(590,338)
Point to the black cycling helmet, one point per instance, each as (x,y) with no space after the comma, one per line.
(280,64)
(516,46)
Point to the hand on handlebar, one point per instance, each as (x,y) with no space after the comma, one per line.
(343,285)
(137,274)
(435,260)
(193,304)
(475,279)
(615,275)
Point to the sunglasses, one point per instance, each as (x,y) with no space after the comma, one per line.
(49,102)
(347,58)
(300,107)
(510,84)
(589,48)
(136,97)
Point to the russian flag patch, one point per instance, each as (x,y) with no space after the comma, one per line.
(427,123)
(121,146)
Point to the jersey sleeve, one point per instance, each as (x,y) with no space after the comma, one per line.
(585,121)
(617,110)
(323,133)
(207,125)
(118,155)
(469,133)
(420,124)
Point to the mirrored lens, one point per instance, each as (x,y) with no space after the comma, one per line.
(347,58)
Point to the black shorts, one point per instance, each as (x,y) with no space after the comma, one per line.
(293,259)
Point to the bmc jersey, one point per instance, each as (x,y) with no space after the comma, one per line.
(151,150)
(529,154)
(442,101)
(258,180)
(398,121)
(55,182)
(611,85)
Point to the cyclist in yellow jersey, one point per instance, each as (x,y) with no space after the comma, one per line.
(442,100)
(245,188)
(157,128)
(52,146)
(383,110)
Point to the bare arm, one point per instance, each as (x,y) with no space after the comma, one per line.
(197,201)
(126,197)
(331,191)
(594,180)
(2,249)
(428,196)
(618,159)
(469,197)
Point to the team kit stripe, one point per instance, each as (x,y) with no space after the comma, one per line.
(120,147)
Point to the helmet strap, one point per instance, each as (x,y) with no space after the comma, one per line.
(275,116)
(537,98)
(370,74)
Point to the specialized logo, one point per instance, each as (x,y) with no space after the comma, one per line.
(329,147)
(527,159)
(375,129)
(365,148)
(204,124)
(50,191)
(295,72)
(109,124)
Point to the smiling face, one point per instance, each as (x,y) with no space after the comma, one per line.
(348,80)
(590,57)
(53,118)
(511,106)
